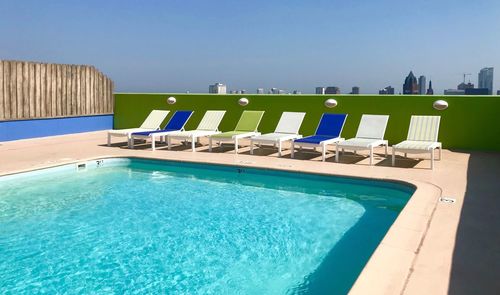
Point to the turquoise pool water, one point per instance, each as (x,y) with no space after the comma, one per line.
(140,226)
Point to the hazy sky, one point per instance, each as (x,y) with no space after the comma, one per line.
(175,46)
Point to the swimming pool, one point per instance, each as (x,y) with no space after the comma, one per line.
(148,226)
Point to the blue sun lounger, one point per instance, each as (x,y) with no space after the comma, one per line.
(175,124)
(328,132)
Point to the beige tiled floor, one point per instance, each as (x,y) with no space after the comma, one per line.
(432,248)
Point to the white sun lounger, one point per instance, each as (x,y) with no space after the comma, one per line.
(287,129)
(370,134)
(422,138)
(208,126)
(152,122)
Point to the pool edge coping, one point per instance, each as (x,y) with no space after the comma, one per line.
(400,244)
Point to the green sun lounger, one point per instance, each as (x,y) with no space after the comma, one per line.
(246,127)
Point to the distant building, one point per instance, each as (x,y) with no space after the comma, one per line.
(218,88)
(297,92)
(454,92)
(430,91)
(477,91)
(332,90)
(387,90)
(463,86)
(274,90)
(410,86)
(320,90)
(422,83)
(260,90)
(355,90)
(243,91)
(498,92)
(281,91)
(485,79)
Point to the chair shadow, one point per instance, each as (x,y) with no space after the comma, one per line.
(262,151)
(401,162)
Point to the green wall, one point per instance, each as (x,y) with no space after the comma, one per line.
(470,122)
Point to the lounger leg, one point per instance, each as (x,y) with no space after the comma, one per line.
(279,149)
(153,142)
(337,152)
(109,139)
(323,152)
(130,141)
(292,152)
(386,150)
(432,159)
(169,143)
(371,155)
(406,155)
(440,150)
(236,146)
(393,157)
(210,144)
(251,147)
(193,144)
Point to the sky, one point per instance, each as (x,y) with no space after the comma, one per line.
(185,45)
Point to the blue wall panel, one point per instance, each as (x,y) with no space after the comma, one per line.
(12,130)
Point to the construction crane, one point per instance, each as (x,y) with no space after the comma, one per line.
(466,74)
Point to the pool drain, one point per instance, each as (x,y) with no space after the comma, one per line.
(447,200)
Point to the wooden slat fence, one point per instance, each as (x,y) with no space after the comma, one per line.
(30,90)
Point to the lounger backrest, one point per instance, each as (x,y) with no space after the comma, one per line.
(372,126)
(249,121)
(211,120)
(290,122)
(424,128)
(331,125)
(154,119)
(178,120)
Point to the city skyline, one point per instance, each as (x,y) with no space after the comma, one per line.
(171,46)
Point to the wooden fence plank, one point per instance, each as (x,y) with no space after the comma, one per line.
(2,94)
(43,89)
(31,90)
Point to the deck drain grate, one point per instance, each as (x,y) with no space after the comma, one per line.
(447,200)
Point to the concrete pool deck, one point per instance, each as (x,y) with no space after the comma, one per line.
(432,248)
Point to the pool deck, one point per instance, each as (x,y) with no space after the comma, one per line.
(432,248)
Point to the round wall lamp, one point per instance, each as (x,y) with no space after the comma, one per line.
(440,105)
(330,103)
(243,101)
(171,100)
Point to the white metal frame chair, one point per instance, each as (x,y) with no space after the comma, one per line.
(286,130)
(370,134)
(151,123)
(209,125)
(422,138)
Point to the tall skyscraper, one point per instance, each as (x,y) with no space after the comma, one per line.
(422,82)
(498,92)
(218,88)
(430,91)
(355,90)
(332,90)
(410,86)
(260,90)
(485,79)
(320,90)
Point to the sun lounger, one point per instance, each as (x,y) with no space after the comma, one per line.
(328,132)
(287,129)
(175,124)
(422,138)
(209,125)
(152,122)
(370,134)
(246,127)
